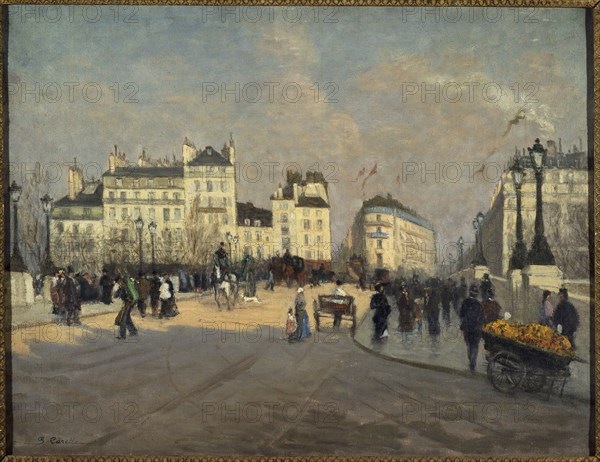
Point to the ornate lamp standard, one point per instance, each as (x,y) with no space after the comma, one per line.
(16,261)
(229,238)
(152,229)
(518,259)
(235,242)
(139,225)
(460,244)
(540,253)
(47,266)
(478,225)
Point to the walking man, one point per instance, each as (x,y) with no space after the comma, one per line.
(127,293)
(566,318)
(471,316)
(154,293)
(380,304)
(144,292)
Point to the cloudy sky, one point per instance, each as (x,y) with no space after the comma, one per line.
(342,88)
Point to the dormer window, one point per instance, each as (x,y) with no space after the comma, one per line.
(119,182)
(247,221)
(256,222)
(171,182)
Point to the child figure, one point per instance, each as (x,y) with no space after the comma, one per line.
(291,324)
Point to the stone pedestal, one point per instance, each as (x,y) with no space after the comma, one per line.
(480,270)
(517,295)
(21,289)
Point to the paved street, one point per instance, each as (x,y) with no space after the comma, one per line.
(210,382)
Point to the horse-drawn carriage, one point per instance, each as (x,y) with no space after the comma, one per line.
(331,305)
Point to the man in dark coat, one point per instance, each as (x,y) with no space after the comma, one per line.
(431,303)
(380,304)
(406,315)
(154,293)
(72,298)
(106,286)
(471,317)
(485,287)
(446,297)
(566,316)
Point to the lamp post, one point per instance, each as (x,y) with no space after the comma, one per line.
(139,225)
(518,259)
(540,253)
(152,230)
(478,225)
(229,238)
(235,241)
(460,244)
(16,262)
(47,266)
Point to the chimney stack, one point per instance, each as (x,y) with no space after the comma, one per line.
(75,182)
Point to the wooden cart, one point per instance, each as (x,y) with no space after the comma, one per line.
(330,305)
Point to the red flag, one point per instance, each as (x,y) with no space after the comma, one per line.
(360,173)
(371,173)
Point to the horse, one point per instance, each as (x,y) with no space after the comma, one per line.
(228,287)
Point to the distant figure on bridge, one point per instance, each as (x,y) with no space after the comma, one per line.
(471,323)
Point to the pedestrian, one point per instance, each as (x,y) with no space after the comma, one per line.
(485,286)
(338,292)
(491,309)
(128,294)
(431,305)
(144,292)
(546,309)
(72,299)
(300,307)
(380,304)
(167,298)
(154,293)
(471,317)
(566,318)
(446,297)
(271,281)
(106,286)
(461,293)
(406,315)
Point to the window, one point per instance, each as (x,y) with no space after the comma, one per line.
(87,212)
(124,213)
(379,244)
(284,205)
(379,260)
(136,195)
(176,196)
(306,224)
(248,236)
(178,234)
(224,186)
(111,195)
(150,181)
(284,218)
(60,228)
(136,182)
(319,237)
(166,214)
(247,221)
(152,213)
(379,229)
(209,202)
(285,242)
(112,213)
(170,181)
(151,196)
(197,185)
(119,182)
(209,186)
(137,212)
(89,229)
(319,213)
(308,255)
(285,230)
(225,219)
(177,214)
(123,196)
(165,196)
(319,225)
(306,239)
(306,212)
(125,234)
(224,202)
(378,217)
(258,235)
(256,222)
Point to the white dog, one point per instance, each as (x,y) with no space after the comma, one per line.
(251,299)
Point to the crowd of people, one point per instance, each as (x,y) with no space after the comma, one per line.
(474,304)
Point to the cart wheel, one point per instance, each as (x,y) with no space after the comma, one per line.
(506,371)
(317,325)
(534,380)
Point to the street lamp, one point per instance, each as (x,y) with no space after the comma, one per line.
(152,230)
(478,225)
(139,225)
(460,243)
(540,253)
(229,238)
(518,259)
(47,266)
(235,241)
(16,262)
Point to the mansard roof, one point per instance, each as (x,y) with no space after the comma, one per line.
(247,210)
(91,196)
(152,172)
(209,156)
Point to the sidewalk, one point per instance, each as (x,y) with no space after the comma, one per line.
(41,312)
(450,354)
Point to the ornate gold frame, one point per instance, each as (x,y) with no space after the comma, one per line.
(593,21)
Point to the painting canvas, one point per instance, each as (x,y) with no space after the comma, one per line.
(284,230)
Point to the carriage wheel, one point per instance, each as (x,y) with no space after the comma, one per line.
(506,371)
(534,380)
